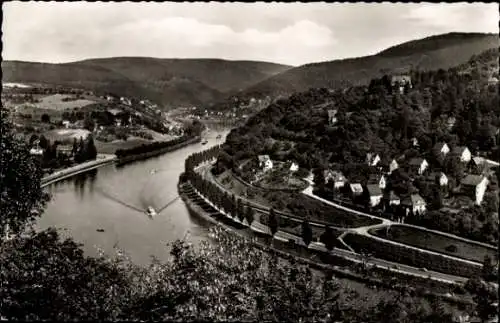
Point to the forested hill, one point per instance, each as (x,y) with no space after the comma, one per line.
(432,53)
(168,82)
(376,117)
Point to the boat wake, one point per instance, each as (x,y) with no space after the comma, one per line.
(117,200)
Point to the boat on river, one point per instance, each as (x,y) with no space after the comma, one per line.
(204,142)
(218,137)
(151,211)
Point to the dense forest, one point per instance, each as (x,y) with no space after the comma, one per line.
(379,118)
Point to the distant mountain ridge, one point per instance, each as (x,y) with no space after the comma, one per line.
(201,82)
(431,53)
(170,82)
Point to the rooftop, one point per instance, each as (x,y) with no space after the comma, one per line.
(413,199)
(472,180)
(373,190)
(417,161)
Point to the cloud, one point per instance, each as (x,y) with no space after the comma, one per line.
(295,33)
(456,16)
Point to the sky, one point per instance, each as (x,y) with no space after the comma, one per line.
(287,33)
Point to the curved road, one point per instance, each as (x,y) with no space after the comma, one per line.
(204,170)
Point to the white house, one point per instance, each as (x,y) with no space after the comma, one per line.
(443,179)
(265,162)
(418,165)
(332,116)
(441,148)
(400,81)
(294,167)
(414,203)
(393,199)
(474,186)
(37,151)
(356,189)
(375,194)
(66,123)
(337,178)
(450,122)
(372,159)
(463,153)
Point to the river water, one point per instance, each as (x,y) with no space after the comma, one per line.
(114,198)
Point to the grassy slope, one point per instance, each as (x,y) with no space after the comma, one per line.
(442,51)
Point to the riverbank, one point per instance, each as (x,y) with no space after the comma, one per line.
(128,159)
(101,160)
(305,255)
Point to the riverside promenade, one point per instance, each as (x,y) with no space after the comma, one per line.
(101,160)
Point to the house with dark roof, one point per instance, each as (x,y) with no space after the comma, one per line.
(437,178)
(374,194)
(332,116)
(265,163)
(441,148)
(356,190)
(462,152)
(418,165)
(64,150)
(474,186)
(372,159)
(338,179)
(414,203)
(400,81)
(392,199)
(450,122)
(377,179)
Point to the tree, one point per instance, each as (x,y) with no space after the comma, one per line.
(488,271)
(484,295)
(240,210)
(307,234)
(75,147)
(88,123)
(43,142)
(22,198)
(328,238)
(249,215)
(273,221)
(33,138)
(91,149)
(319,179)
(45,118)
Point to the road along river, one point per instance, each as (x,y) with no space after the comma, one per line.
(114,198)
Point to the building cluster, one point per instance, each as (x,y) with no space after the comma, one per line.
(376,192)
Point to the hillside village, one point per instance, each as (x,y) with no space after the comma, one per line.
(414,147)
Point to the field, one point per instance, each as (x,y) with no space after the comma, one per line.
(66,135)
(436,242)
(55,102)
(111,147)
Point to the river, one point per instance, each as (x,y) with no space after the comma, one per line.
(114,198)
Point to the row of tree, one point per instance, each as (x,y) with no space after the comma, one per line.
(146,148)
